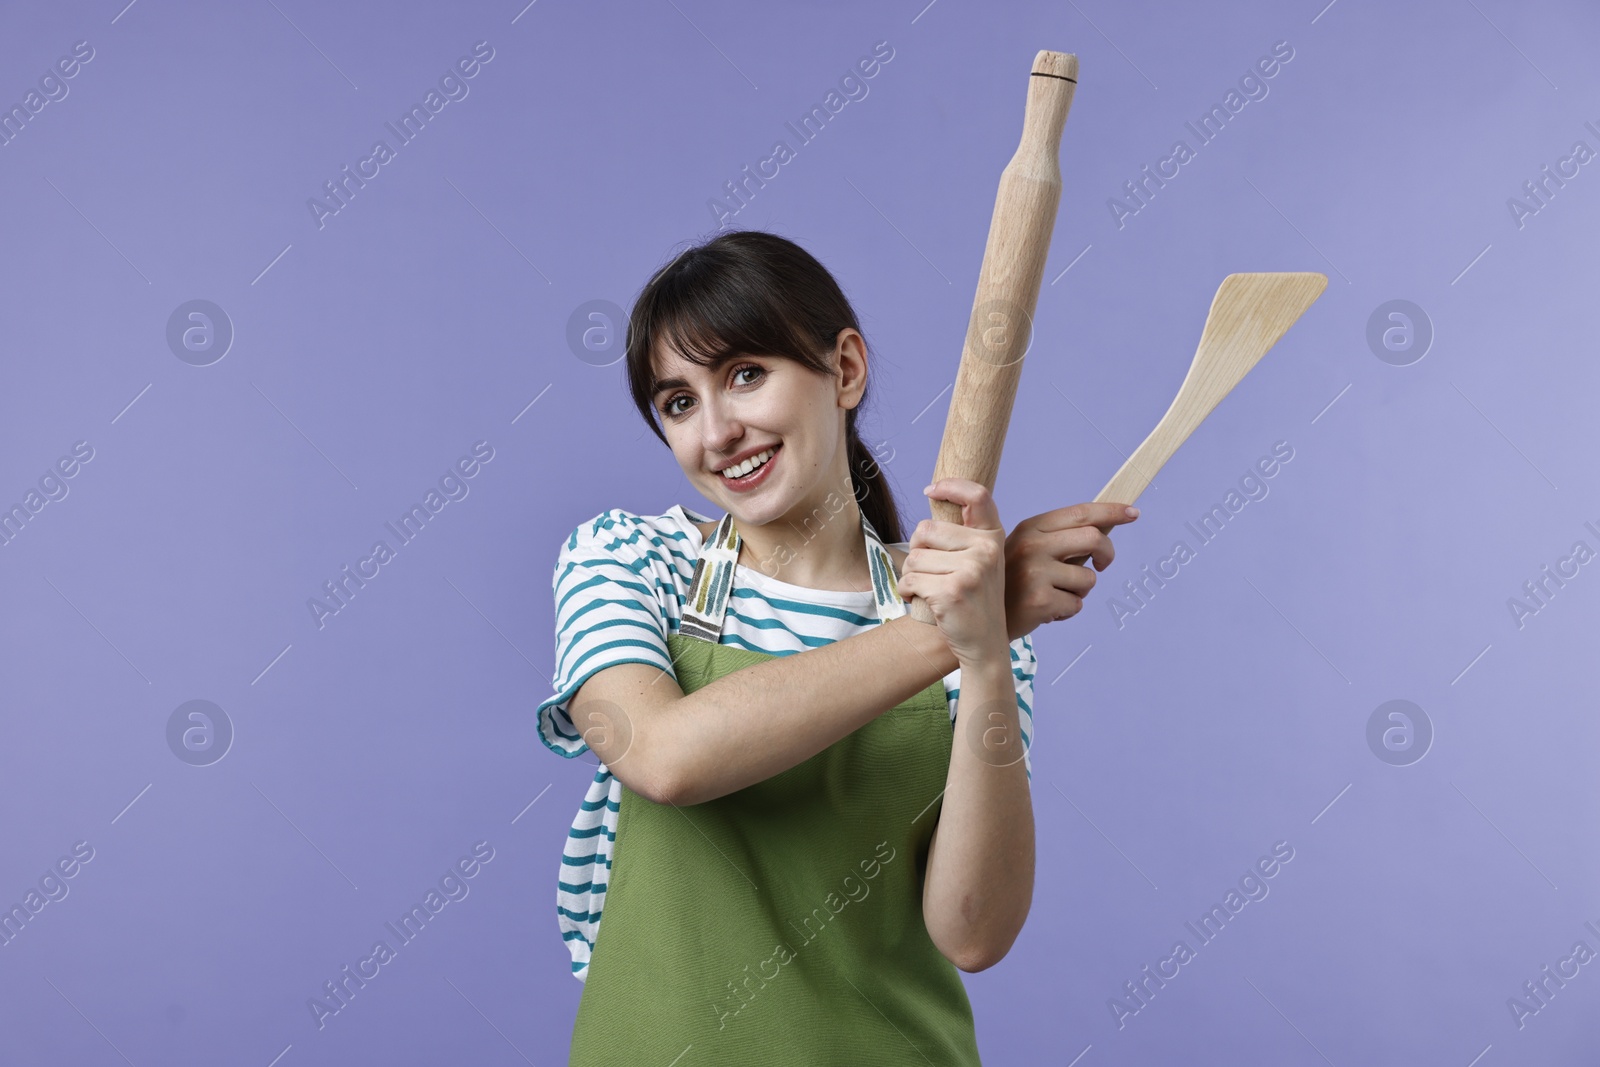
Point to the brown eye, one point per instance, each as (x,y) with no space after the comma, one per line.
(673,412)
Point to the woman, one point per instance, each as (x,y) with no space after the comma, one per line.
(763,837)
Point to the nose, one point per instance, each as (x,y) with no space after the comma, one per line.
(720,431)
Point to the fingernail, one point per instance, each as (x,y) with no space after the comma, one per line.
(927,489)
(1133,512)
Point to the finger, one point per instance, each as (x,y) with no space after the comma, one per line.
(1058,589)
(949,536)
(1075,543)
(1070,606)
(978,509)
(1094,513)
(1067,577)
(1103,552)
(923,559)
(926,585)
(1100,551)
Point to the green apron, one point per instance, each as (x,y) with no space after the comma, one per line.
(781,924)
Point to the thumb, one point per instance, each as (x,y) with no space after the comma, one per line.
(978,508)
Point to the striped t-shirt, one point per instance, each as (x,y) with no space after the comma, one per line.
(620,582)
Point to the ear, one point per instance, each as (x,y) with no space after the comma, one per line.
(850,360)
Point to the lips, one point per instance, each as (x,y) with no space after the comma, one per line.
(755,478)
(741,457)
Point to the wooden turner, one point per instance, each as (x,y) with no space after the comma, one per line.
(1248,315)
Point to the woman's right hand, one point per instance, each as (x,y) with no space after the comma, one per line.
(1041,586)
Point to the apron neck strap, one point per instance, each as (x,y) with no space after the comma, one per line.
(709,590)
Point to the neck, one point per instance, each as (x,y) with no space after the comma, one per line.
(818,547)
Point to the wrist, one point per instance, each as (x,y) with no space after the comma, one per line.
(929,644)
(994,657)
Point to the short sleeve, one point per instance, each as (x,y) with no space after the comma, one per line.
(1023,666)
(610,577)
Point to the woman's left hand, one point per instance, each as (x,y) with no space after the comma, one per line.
(959,569)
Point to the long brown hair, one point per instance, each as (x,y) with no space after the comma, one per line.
(752,292)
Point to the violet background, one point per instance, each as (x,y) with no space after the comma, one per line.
(433,310)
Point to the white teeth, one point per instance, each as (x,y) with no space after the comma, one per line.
(739,470)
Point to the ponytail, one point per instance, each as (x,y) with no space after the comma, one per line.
(870,486)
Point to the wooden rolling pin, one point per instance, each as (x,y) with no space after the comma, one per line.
(1001,326)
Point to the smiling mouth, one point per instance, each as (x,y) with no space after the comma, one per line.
(752,475)
(759,459)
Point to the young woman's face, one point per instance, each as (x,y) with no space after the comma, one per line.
(714,416)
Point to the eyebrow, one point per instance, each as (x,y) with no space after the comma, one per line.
(679,383)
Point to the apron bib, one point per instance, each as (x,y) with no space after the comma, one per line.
(780,924)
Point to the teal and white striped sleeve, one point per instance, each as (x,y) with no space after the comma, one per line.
(1023,666)
(609,580)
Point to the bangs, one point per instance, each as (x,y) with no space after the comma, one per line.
(759,295)
(712,324)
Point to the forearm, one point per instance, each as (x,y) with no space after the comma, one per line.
(756,722)
(979,882)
